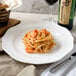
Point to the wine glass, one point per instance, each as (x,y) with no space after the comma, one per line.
(51,4)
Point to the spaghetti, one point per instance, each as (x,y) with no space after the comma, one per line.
(38,41)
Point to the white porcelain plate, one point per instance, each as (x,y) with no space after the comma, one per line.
(13,45)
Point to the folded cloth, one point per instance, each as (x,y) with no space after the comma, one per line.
(10,67)
(28,71)
(72,72)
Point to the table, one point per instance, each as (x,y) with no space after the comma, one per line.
(27,18)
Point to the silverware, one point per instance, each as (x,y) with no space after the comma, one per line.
(56,67)
(59,65)
(63,64)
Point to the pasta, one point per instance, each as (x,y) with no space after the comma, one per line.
(38,41)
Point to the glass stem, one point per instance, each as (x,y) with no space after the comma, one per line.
(51,7)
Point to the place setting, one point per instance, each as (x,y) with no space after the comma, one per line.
(41,43)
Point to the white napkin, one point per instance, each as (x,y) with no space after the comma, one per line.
(72,72)
(28,71)
(10,67)
(13,4)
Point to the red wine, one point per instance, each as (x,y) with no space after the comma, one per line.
(66,13)
(51,2)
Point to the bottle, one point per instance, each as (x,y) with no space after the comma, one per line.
(66,13)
